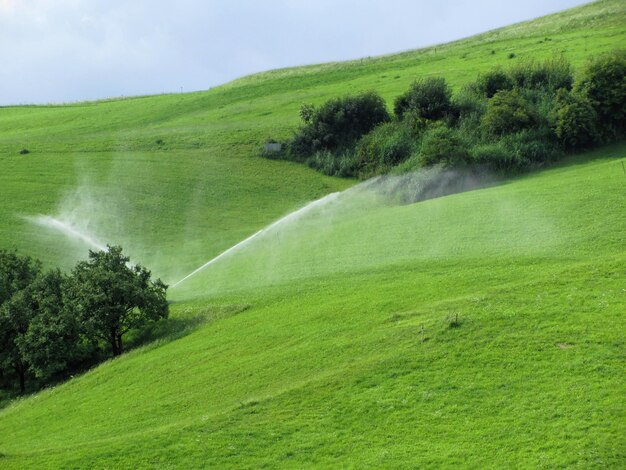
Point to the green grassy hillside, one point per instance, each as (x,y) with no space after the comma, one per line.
(368,368)
(479,329)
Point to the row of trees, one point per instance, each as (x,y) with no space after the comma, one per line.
(52,324)
(507,120)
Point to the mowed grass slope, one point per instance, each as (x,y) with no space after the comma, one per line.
(369,368)
(334,343)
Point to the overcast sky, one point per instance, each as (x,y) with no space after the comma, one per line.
(68,50)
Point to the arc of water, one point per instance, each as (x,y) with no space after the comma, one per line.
(68,230)
(289,217)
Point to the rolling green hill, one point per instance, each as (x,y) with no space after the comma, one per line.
(482,329)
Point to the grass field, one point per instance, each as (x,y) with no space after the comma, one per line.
(483,329)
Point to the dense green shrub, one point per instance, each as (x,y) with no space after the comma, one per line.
(489,83)
(470,105)
(428,98)
(413,163)
(550,75)
(527,148)
(493,155)
(508,119)
(516,151)
(325,162)
(443,145)
(603,82)
(508,111)
(383,148)
(333,164)
(575,120)
(337,124)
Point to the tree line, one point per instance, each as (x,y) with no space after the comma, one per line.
(507,120)
(53,324)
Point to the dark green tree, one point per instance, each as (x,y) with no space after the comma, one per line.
(37,334)
(110,296)
(16,274)
(15,316)
(51,341)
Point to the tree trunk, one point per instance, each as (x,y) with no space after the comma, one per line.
(20,369)
(113,340)
(116,342)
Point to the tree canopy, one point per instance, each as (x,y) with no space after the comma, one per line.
(111,296)
(50,322)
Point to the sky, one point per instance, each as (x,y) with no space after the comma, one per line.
(55,51)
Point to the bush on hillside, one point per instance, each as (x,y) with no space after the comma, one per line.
(492,155)
(489,83)
(334,164)
(443,145)
(508,119)
(575,120)
(337,124)
(507,112)
(517,151)
(383,148)
(550,75)
(470,106)
(428,99)
(603,82)
(529,148)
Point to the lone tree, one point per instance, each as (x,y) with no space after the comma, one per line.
(110,296)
